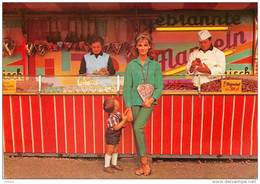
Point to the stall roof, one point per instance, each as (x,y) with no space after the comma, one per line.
(119,7)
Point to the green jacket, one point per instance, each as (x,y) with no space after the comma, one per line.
(134,77)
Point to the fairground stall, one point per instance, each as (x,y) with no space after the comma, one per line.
(48,109)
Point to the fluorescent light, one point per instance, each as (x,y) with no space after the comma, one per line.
(219,28)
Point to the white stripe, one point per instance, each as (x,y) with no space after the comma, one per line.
(65,124)
(103,124)
(123,130)
(252,127)
(162,125)
(84,125)
(232,125)
(74,125)
(94,133)
(12,122)
(211,125)
(181,139)
(31,121)
(21,121)
(222,124)
(201,125)
(242,125)
(171,123)
(191,128)
(152,134)
(42,140)
(55,123)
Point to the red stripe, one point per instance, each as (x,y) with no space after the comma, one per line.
(70,124)
(247,125)
(237,126)
(196,125)
(26,123)
(31,66)
(48,124)
(24,56)
(98,125)
(186,124)
(157,128)
(254,149)
(176,124)
(206,124)
(227,125)
(128,135)
(79,123)
(89,124)
(105,125)
(7,125)
(167,124)
(76,56)
(36,123)
(60,124)
(217,125)
(16,63)
(246,60)
(17,124)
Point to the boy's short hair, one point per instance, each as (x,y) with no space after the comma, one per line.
(108,105)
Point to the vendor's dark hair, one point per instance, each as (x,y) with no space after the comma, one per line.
(108,105)
(96,38)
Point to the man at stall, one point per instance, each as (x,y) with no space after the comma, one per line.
(206,63)
(97,61)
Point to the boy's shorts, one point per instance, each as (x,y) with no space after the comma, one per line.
(112,136)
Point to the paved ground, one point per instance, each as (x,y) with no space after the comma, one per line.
(39,167)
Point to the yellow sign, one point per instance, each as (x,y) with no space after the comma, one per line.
(9,86)
(231,86)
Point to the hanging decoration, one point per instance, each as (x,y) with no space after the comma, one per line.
(8,46)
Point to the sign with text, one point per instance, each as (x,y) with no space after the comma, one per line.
(231,86)
(9,86)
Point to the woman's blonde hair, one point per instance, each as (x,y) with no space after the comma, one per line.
(148,37)
(144,35)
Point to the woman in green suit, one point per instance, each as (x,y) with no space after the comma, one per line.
(139,71)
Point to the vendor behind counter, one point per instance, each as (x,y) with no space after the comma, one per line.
(97,61)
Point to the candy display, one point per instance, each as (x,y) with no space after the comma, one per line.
(248,85)
(81,84)
(30,86)
(178,85)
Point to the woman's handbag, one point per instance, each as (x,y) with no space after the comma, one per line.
(145,90)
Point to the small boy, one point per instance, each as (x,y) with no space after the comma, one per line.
(115,123)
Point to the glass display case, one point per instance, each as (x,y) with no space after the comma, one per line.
(81,84)
(64,84)
(177,84)
(20,84)
(225,84)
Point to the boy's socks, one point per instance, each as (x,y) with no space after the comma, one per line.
(114,158)
(107,160)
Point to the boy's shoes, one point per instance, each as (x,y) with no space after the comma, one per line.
(116,167)
(108,170)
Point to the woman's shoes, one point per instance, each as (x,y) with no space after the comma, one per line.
(139,171)
(145,168)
